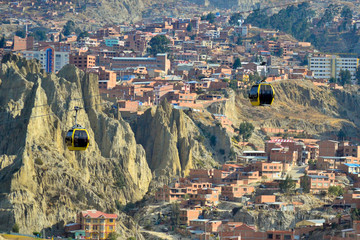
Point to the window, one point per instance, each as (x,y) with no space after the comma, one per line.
(88,220)
(277,236)
(95,227)
(270,236)
(287,237)
(102,220)
(111,220)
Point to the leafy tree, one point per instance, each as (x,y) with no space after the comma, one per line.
(305,184)
(357,75)
(158,44)
(332,80)
(330,12)
(233,84)
(341,135)
(237,63)
(355,214)
(245,130)
(82,35)
(344,77)
(336,190)
(234,19)
(210,17)
(15,228)
(254,77)
(69,28)
(175,214)
(21,33)
(113,236)
(346,13)
(2,42)
(288,185)
(189,27)
(39,35)
(213,140)
(280,52)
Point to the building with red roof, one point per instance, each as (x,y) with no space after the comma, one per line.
(97,225)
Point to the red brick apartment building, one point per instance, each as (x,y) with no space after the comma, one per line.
(233,191)
(317,183)
(186,215)
(179,191)
(331,148)
(326,163)
(83,61)
(21,44)
(270,170)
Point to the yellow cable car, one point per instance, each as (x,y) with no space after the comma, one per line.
(77,138)
(261,94)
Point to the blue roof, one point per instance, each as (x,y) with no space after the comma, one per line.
(352,164)
(317,176)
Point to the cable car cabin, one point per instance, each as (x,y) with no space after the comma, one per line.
(77,139)
(261,94)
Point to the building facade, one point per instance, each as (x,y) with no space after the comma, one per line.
(50,60)
(328,66)
(97,225)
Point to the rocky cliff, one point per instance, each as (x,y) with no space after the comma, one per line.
(176,141)
(298,104)
(42,183)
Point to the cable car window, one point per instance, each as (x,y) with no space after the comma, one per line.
(254,92)
(80,138)
(68,138)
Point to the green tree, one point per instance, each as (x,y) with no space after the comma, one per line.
(175,214)
(189,27)
(253,78)
(213,140)
(158,44)
(113,236)
(21,33)
(69,28)
(15,228)
(280,52)
(336,190)
(357,75)
(288,185)
(305,184)
(245,130)
(341,135)
(237,63)
(82,35)
(234,19)
(355,214)
(2,42)
(344,77)
(39,35)
(233,84)
(210,17)
(347,15)
(332,80)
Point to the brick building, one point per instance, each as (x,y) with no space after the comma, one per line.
(83,61)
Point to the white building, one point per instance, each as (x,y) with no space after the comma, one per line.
(50,60)
(330,65)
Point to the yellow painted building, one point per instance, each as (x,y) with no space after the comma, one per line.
(97,225)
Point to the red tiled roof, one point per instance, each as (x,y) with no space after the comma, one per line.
(97,214)
(280,140)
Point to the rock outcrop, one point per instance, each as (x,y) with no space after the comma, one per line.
(173,142)
(299,104)
(42,183)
